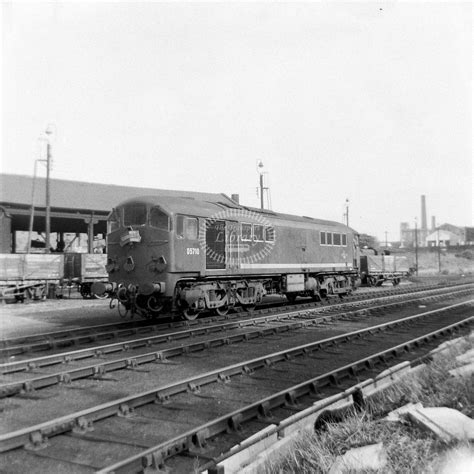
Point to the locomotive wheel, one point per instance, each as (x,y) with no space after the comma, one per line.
(291,298)
(222,311)
(154,306)
(316,297)
(84,290)
(190,314)
(100,297)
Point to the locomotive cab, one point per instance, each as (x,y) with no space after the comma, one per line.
(139,256)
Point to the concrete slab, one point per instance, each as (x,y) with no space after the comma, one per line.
(395,371)
(305,419)
(372,456)
(398,414)
(414,371)
(258,443)
(464,371)
(459,460)
(274,453)
(445,423)
(448,346)
(466,357)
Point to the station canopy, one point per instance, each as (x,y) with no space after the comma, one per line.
(75,203)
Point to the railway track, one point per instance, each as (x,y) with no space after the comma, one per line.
(34,374)
(185,420)
(77,337)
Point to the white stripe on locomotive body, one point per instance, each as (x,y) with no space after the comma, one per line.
(265,266)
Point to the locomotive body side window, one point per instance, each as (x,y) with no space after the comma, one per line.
(246,231)
(191,228)
(336,239)
(269,234)
(187,227)
(258,233)
(328,238)
(344,240)
(180,227)
(134,214)
(113,221)
(159,219)
(323,238)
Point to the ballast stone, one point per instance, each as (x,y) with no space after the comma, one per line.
(372,456)
(445,423)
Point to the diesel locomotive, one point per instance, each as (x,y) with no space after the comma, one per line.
(189,255)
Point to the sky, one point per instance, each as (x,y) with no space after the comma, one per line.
(365,101)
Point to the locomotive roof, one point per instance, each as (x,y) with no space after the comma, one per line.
(227,209)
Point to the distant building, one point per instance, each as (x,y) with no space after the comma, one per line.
(447,235)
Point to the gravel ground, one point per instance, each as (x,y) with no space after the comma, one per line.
(36,317)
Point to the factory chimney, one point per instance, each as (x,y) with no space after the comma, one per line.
(433,222)
(424,225)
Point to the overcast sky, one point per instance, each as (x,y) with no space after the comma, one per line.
(366,101)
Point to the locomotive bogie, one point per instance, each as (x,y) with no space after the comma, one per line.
(218,294)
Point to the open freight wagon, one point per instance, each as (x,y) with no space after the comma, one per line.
(37,276)
(376,269)
(83,269)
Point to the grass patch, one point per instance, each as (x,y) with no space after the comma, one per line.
(409,449)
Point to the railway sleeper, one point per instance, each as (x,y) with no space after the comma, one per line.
(199,439)
(234,423)
(154,462)
(37,440)
(125,410)
(291,400)
(264,412)
(83,426)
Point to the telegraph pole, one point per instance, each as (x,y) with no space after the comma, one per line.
(32,210)
(416,247)
(439,253)
(347,212)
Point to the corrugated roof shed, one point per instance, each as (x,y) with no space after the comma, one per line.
(17,190)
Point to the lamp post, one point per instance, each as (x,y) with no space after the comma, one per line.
(260,171)
(347,212)
(48,132)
